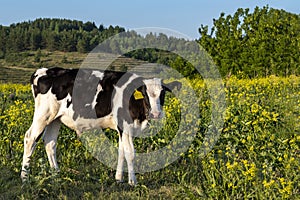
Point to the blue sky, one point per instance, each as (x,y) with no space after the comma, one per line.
(184,16)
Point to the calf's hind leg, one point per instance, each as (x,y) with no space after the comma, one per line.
(30,140)
(50,140)
(43,116)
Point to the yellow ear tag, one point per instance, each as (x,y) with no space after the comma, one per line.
(138,95)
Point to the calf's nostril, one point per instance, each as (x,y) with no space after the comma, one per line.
(155,115)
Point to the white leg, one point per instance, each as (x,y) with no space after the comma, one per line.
(121,157)
(50,140)
(129,156)
(43,115)
(30,140)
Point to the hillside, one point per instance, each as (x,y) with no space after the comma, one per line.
(19,70)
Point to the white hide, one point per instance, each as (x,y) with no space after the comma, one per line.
(154,89)
(39,73)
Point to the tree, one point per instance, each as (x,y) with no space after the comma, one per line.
(259,44)
(3,39)
(83,44)
(35,39)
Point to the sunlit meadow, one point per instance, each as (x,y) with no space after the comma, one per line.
(257,155)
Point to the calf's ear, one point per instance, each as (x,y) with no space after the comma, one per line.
(172,85)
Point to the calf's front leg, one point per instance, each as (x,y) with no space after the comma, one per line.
(126,150)
(129,156)
(120,166)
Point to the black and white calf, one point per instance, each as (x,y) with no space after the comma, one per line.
(89,99)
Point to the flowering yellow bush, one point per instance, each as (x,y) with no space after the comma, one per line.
(257,155)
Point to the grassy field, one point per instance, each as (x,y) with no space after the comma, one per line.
(256,157)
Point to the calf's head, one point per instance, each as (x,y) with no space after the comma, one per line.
(155,91)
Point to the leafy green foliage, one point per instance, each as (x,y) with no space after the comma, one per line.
(261,43)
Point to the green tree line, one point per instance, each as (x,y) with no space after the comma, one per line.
(53,34)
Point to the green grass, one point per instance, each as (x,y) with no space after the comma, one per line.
(256,157)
